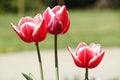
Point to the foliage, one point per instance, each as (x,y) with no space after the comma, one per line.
(114,3)
(80,3)
(11,5)
(29,77)
(8,6)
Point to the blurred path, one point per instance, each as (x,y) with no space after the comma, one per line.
(13,64)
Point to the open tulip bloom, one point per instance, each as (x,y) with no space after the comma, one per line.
(32,30)
(87,57)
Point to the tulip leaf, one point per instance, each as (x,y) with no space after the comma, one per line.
(29,77)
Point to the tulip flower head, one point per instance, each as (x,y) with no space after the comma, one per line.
(57,20)
(87,56)
(31,29)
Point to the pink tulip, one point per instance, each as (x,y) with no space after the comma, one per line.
(57,20)
(31,29)
(87,56)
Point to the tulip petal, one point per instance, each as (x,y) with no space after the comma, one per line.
(27,29)
(75,58)
(89,55)
(24,20)
(95,47)
(56,9)
(85,55)
(55,26)
(67,27)
(81,54)
(25,39)
(64,18)
(48,14)
(38,19)
(92,45)
(82,44)
(40,32)
(15,28)
(96,60)
(20,34)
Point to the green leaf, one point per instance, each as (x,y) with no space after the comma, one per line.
(29,77)
(32,76)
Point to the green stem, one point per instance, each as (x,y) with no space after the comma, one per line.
(40,61)
(56,58)
(86,74)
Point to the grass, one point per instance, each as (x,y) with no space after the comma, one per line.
(96,26)
(99,26)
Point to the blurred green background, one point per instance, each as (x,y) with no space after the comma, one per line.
(95,21)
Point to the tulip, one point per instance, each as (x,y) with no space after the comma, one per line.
(31,29)
(57,20)
(87,56)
